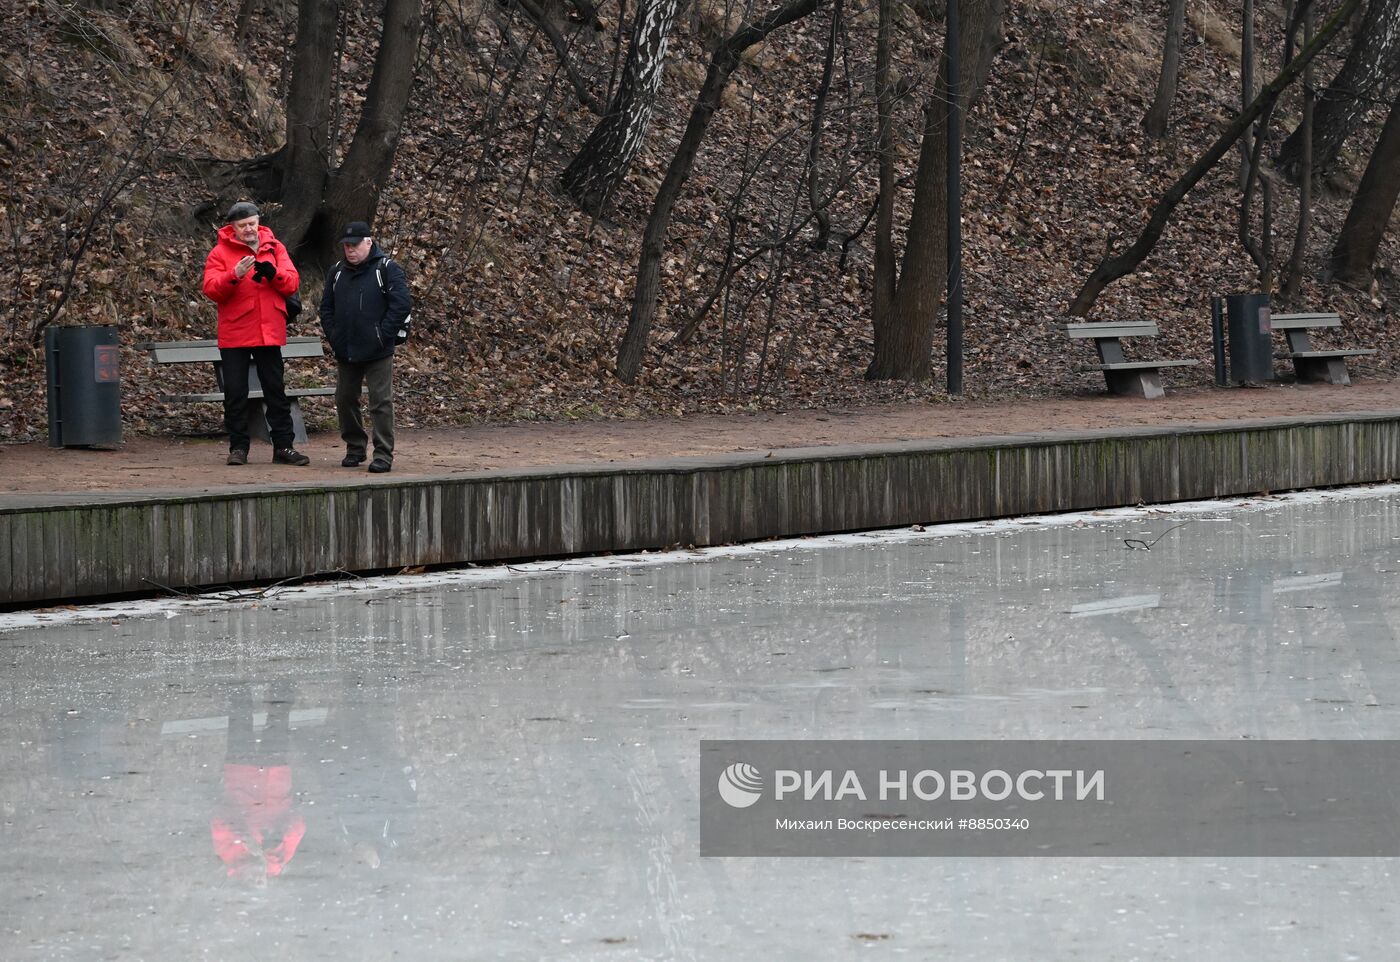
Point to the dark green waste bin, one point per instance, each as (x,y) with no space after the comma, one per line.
(85,401)
(1251,338)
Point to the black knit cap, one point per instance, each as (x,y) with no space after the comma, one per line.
(242,210)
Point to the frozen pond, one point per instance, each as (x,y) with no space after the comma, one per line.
(506,766)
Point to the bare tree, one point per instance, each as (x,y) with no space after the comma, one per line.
(1155,123)
(1247,92)
(1122,263)
(723,63)
(598,169)
(1354,254)
(883,294)
(904,332)
(814,148)
(318,196)
(1371,70)
(304,162)
(563,49)
(243,20)
(1294,281)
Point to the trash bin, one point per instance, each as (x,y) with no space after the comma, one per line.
(84,386)
(1251,338)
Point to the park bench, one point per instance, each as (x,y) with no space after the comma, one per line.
(207,352)
(1134,378)
(1311,365)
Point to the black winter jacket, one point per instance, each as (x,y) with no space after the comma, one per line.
(359,319)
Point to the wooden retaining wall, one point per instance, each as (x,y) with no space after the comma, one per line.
(80,546)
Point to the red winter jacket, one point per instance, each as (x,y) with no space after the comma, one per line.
(257,815)
(251,313)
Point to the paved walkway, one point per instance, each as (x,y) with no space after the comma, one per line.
(197,463)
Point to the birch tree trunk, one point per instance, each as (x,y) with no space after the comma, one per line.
(595,173)
(1371,72)
(723,63)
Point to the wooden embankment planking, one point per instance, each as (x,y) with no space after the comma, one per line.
(61,548)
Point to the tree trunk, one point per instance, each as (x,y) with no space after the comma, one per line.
(1300,238)
(1370,72)
(814,146)
(722,65)
(1155,123)
(1355,252)
(1246,89)
(243,20)
(305,157)
(1125,262)
(598,169)
(319,201)
(904,344)
(354,189)
(884,204)
(1261,251)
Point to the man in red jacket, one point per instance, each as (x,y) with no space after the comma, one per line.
(250,275)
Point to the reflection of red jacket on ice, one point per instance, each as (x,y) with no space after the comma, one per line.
(257,817)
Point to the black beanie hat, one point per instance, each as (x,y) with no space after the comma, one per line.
(242,210)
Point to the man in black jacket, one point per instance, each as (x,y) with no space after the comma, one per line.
(364,308)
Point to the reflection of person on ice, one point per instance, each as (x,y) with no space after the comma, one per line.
(372,789)
(257,828)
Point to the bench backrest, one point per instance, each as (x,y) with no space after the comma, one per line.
(185,352)
(1112,329)
(1288,322)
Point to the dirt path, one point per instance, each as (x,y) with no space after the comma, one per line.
(144,462)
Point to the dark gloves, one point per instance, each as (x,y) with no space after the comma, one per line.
(263,271)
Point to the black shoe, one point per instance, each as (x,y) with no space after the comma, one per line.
(289,456)
(352,460)
(238,456)
(380,466)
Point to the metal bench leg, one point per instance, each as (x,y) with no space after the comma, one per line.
(1321,370)
(298,423)
(257,420)
(1145,384)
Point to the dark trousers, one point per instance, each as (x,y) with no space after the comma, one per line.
(268,361)
(378,376)
(245,745)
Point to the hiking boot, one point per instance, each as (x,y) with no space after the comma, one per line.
(238,456)
(289,456)
(352,460)
(380,466)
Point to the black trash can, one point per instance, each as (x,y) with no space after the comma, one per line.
(85,401)
(1251,338)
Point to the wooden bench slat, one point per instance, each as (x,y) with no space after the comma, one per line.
(188,352)
(211,342)
(1111,329)
(183,355)
(294,392)
(1136,365)
(1285,322)
(1354,352)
